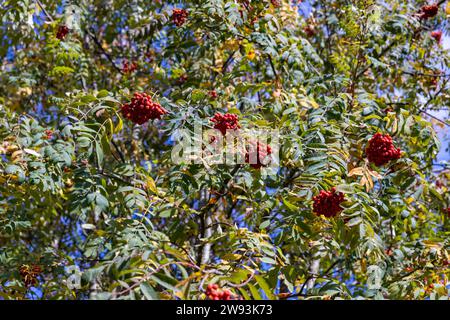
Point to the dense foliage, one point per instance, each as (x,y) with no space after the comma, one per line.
(92,205)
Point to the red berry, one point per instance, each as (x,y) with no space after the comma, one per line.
(381,150)
(447,211)
(327,203)
(129,67)
(428,11)
(224,122)
(48,134)
(142,109)
(179,16)
(437,35)
(213,94)
(309,30)
(213,292)
(62,32)
(257,151)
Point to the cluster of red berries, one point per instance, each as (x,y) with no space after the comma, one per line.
(257,151)
(434,81)
(128,67)
(179,16)
(48,134)
(29,274)
(224,122)
(381,150)
(62,32)
(213,94)
(437,35)
(213,292)
(182,79)
(327,203)
(427,12)
(447,211)
(142,108)
(309,30)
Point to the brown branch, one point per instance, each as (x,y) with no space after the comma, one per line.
(39,3)
(273,67)
(243,284)
(230,57)
(106,54)
(425,106)
(118,151)
(147,276)
(435,118)
(300,293)
(205,221)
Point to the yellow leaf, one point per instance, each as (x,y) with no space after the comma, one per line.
(374,174)
(363,181)
(212,201)
(432,244)
(447,8)
(356,171)
(119,126)
(217,69)
(313,104)
(394,125)
(363,265)
(232,256)
(26,91)
(369,185)
(308,103)
(100,233)
(367,181)
(165,296)
(409,200)
(151,185)
(251,55)
(232,45)
(16,155)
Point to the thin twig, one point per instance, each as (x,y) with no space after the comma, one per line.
(106,54)
(118,151)
(300,293)
(39,3)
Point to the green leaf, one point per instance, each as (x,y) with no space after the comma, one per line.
(99,152)
(264,224)
(148,291)
(254,292)
(268,260)
(265,287)
(345,188)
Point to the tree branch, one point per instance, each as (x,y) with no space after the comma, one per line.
(312,276)
(39,3)
(106,54)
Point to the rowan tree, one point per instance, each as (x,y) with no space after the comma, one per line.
(92,94)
